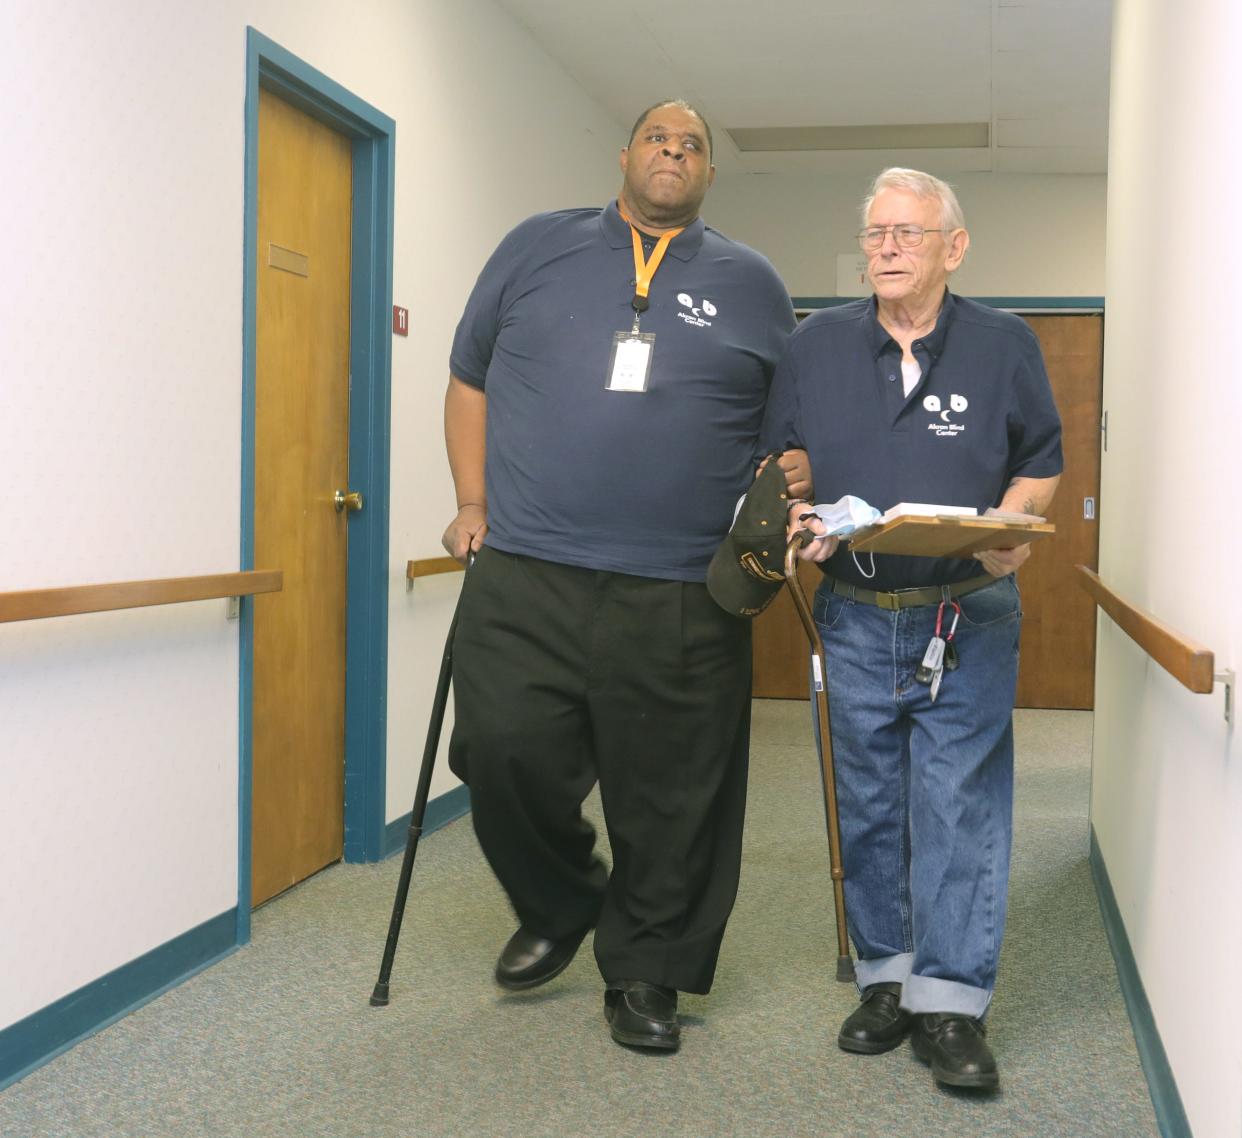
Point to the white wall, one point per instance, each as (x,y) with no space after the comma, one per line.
(120,415)
(1167,780)
(1031,235)
(120,401)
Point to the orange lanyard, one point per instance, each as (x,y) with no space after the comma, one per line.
(645,269)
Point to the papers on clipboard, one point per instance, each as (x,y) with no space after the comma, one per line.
(926,510)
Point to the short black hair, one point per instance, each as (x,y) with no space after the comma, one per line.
(681,104)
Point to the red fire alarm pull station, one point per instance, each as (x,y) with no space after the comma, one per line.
(400,321)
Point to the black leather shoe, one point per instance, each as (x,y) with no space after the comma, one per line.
(955,1047)
(529,960)
(878,1024)
(642,1014)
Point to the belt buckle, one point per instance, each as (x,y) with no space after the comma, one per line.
(890,602)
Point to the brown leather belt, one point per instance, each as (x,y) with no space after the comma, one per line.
(908,598)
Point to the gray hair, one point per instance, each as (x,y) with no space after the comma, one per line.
(921,185)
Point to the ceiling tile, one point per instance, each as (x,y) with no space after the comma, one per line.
(1037,68)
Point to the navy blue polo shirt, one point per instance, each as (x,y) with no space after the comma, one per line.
(641,483)
(981,415)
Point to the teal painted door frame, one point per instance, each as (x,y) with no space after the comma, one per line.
(373,134)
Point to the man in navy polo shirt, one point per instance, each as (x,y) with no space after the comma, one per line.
(917,395)
(611,367)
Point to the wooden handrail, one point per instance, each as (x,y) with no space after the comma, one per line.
(1184,659)
(35,604)
(430,566)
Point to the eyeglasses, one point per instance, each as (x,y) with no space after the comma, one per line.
(906,236)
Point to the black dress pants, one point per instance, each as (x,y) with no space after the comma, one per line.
(565,676)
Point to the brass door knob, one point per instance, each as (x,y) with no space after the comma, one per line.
(347,501)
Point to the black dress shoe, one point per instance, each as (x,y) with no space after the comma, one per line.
(955,1047)
(878,1024)
(642,1014)
(529,960)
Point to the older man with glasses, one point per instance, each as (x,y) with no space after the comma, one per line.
(918,395)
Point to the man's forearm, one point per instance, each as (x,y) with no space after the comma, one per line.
(1029,495)
(465,437)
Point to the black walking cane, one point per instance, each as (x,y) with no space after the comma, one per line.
(845,965)
(379,997)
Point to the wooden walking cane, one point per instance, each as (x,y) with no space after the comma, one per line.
(819,693)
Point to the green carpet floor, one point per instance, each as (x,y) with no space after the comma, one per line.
(279,1039)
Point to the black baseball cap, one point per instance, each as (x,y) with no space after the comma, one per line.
(748,569)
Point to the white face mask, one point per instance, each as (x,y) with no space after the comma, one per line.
(845,515)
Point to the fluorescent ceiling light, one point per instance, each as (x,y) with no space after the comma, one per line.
(904,136)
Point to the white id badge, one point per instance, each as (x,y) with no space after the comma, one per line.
(629,366)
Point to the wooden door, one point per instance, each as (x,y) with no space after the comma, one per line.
(781,651)
(1057,666)
(301,459)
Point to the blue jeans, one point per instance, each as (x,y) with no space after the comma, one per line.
(925,792)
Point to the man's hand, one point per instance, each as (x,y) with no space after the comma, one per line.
(466,532)
(821,546)
(1002,562)
(797,467)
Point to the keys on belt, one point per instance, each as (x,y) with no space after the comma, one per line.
(941,654)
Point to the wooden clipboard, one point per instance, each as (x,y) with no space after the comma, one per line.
(945,536)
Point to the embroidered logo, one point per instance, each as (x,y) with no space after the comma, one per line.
(943,424)
(697,316)
(752,565)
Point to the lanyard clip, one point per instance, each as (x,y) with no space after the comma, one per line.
(957,612)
